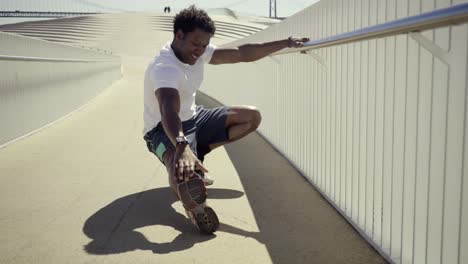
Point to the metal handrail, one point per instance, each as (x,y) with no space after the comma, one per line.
(438,18)
(43,14)
(21,58)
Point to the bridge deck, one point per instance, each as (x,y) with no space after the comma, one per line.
(85,190)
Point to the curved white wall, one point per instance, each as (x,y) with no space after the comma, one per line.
(378,126)
(43,81)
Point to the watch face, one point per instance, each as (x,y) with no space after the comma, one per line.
(181,140)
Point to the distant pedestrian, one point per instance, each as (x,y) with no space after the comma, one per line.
(168,9)
(165,9)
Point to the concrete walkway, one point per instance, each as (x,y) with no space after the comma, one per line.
(86,190)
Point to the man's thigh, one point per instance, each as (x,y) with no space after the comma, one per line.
(213,124)
(160,145)
(211,127)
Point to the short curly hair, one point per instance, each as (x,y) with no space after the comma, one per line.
(192,18)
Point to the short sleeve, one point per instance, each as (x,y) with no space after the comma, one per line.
(164,75)
(209,51)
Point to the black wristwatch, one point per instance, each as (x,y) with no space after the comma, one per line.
(181,140)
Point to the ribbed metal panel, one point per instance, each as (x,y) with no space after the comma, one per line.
(42,82)
(378,126)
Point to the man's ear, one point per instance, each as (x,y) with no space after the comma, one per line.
(180,35)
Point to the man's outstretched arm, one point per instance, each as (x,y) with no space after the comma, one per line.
(184,160)
(253,52)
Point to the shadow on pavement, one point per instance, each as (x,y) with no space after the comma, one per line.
(296,224)
(113,228)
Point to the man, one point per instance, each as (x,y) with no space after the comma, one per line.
(180,133)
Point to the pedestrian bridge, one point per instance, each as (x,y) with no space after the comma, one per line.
(360,157)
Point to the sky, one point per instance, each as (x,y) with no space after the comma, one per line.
(255,7)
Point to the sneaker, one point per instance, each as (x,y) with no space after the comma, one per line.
(206,179)
(205,220)
(192,194)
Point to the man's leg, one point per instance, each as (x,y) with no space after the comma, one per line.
(240,121)
(203,216)
(168,158)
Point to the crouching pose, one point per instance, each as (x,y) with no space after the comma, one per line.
(181,133)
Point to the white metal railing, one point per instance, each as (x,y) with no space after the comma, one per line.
(17,46)
(453,15)
(24,58)
(377,125)
(36,91)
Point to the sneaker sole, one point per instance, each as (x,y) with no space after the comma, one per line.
(207,221)
(192,193)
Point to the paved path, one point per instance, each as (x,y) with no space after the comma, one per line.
(85,190)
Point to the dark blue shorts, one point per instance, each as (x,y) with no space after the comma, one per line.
(205,128)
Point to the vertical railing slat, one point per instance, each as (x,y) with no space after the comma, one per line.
(456,116)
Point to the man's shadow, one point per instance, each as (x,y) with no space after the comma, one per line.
(113,228)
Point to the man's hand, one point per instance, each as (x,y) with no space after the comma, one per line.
(297,42)
(185,163)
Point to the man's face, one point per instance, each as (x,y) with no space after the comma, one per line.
(192,45)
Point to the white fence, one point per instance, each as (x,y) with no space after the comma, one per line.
(42,82)
(378,126)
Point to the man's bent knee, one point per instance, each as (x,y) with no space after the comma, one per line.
(256,118)
(245,114)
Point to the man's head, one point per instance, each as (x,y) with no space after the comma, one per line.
(193,29)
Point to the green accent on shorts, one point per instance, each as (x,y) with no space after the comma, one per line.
(160,151)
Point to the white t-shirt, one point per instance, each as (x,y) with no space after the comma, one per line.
(166,70)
